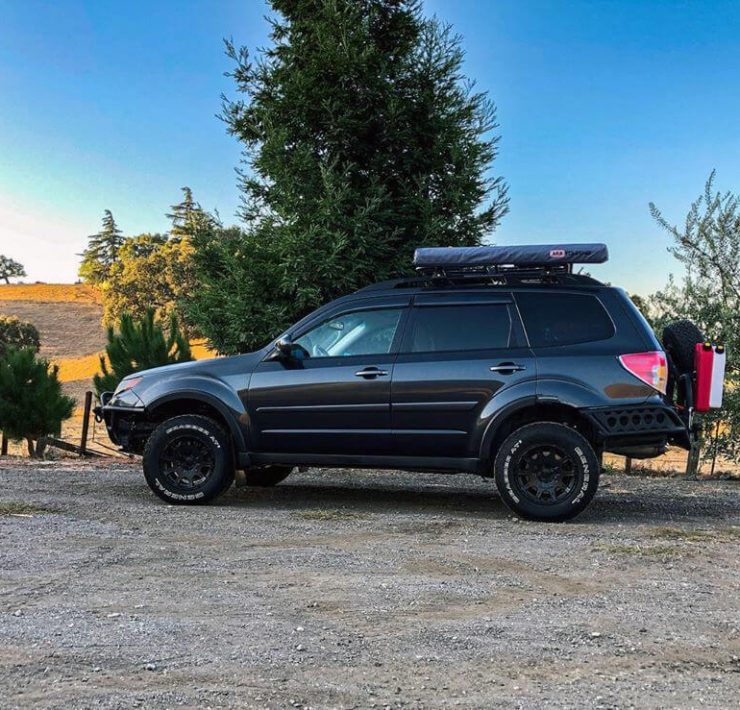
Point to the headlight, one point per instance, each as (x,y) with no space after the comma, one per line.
(127,385)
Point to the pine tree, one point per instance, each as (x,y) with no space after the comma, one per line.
(139,345)
(101,252)
(16,333)
(32,405)
(363,141)
(188,217)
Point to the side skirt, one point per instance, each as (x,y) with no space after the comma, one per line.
(406,463)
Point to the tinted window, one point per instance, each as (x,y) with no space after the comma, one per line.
(563,318)
(358,333)
(474,327)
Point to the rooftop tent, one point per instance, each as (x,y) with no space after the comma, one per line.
(526,255)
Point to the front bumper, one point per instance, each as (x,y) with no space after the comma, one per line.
(123,416)
(640,427)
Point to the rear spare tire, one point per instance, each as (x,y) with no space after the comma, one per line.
(546,471)
(188,460)
(679,340)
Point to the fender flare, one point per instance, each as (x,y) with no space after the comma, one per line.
(563,393)
(209,391)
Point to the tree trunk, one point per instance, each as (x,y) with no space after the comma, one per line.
(31,450)
(41,447)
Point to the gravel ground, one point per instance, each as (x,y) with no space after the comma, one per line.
(364,589)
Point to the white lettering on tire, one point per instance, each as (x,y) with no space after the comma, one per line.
(586,475)
(507,463)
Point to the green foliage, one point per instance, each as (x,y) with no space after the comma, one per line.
(102,251)
(188,217)
(358,151)
(139,345)
(15,333)
(10,269)
(32,405)
(152,271)
(708,293)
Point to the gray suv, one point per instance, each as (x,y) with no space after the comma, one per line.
(495,361)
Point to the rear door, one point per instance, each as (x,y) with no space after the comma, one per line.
(459,350)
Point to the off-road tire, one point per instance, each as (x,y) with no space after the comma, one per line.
(211,438)
(679,341)
(267,476)
(547,439)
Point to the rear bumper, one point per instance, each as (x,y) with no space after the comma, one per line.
(639,427)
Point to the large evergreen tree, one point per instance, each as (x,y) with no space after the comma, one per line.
(362,141)
(102,251)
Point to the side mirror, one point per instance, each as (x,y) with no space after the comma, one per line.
(288,351)
(285,346)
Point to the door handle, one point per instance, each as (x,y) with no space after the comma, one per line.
(507,368)
(370,372)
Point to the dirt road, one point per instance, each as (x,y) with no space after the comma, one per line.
(364,589)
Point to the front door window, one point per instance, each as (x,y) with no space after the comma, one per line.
(352,334)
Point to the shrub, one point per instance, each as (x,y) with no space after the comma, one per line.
(32,405)
(15,333)
(139,345)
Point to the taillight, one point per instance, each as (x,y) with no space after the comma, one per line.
(651,368)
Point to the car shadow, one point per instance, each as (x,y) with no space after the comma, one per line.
(482,501)
(364,498)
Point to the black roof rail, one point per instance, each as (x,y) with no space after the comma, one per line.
(489,278)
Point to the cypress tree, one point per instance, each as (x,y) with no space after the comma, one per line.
(188,217)
(102,251)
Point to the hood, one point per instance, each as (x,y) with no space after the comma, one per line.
(218,367)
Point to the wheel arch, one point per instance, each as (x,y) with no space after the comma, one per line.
(529,411)
(182,402)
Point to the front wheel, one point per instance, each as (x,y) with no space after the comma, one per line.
(188,460)
(546,471)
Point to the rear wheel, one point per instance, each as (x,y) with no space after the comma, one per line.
(267,476)
(188,460)
(546,471)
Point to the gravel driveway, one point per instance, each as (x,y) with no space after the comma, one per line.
(364,589)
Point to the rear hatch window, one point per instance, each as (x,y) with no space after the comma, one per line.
(553,319)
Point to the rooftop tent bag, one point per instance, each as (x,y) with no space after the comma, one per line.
(516,256)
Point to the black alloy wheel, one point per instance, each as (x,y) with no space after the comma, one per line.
(544,474)
(187,462)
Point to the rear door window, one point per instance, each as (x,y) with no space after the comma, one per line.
(553,319)
(447,328)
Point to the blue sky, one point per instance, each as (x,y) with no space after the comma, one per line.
(604,106)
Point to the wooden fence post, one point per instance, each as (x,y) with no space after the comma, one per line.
(628,465)
(85,422)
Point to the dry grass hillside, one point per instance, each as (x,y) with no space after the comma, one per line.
(68,317)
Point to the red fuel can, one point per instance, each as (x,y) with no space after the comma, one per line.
(703,362)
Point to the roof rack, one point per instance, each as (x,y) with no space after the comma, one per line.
(506,265)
